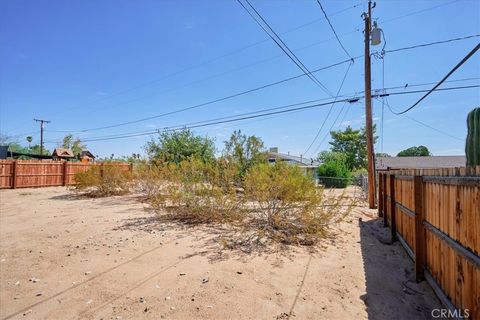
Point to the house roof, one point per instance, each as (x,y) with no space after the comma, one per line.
(63,153)
(383,163)
(308,162)
(86,153)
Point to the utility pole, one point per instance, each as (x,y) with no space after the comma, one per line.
(42,126)
(368,109)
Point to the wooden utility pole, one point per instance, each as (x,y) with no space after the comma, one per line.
(42,126)
(368,110)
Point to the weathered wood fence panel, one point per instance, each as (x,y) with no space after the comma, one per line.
(436,215)
(28,173)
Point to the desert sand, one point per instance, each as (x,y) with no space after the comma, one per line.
(65,257)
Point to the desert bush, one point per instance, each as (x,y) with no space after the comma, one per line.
(334,174)
(198,191)
(151,180)
(103,180)
(243,151)
(287,206)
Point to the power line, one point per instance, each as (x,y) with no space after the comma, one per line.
(208,102)
(432,43)
(330,130)
(233,52)
(333,29)
(281,44)
(220,118)
(423,123)
(340,96)
(468,56)
(329,111)
(257,43)
(258,114)
(419,11)
(148,83)
(247,92)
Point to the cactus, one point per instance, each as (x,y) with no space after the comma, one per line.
(472,145)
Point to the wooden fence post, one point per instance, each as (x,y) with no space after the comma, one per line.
(380,194)
(393,223)
(14,174)
(101,169)
(385,209)
(65,171)
(419,234)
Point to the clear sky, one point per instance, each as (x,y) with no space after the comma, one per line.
(85,64)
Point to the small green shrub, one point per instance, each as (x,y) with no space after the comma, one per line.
(334,174)
(287,206)
(151,180)
(198,191)
(103,180)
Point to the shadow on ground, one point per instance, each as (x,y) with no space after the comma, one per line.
(218,242)
(391,290)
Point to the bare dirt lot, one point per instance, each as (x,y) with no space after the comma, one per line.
(65,257)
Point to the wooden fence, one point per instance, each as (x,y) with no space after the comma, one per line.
(435,214)
(29,174)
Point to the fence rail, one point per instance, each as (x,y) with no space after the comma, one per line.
(29,174)
(435,214)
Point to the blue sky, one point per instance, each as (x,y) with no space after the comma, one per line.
(86,64)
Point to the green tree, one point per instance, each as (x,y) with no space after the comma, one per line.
(333,171)
(244,150)
(29,140)
(176,146)
(383,155)
(331,156)
(35,149)
(420,151)
(352,143)
(75,144)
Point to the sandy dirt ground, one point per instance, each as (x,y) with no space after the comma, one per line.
(64,257)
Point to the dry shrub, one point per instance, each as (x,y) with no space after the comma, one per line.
(151,180)
(287,206)
(103,180)
(197,191)
(276,201)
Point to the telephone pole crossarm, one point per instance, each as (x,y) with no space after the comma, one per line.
(42,127)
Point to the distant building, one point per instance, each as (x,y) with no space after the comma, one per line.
(62,153)
(308,165)
(86,156)
(3,152)
(385,163)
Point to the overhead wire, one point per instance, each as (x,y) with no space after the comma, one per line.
(459,64)
(231,53)
(392,110)
(259,114)
(208,102)
(333,30)
(255,15)
(262,41)
(433,43)
(244,92)
(329,111)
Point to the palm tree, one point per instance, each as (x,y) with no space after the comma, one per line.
(29,139)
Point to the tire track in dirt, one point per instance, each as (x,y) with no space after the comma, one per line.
(97,276)
(307,267)
(151,276)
